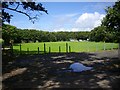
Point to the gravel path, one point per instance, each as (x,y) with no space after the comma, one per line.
(107,54)
(40,71)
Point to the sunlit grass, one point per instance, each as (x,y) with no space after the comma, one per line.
(74,46)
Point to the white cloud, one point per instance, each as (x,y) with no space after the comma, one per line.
(89,20)
(85,22)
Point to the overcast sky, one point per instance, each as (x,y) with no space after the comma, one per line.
(65,16)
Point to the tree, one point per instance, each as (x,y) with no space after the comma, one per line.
(9,33)
(99,34)
(26,8)
(112,21)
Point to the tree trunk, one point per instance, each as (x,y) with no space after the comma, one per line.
(119,51)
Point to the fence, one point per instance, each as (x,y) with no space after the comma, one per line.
(38,51)
(68,49)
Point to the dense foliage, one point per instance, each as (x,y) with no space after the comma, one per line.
(99,33)
(112,20)
(29,35)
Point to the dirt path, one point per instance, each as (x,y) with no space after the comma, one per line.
(42,71)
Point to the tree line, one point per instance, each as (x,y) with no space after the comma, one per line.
(12,33)
(31,35)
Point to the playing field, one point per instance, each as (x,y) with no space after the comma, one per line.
(61,46)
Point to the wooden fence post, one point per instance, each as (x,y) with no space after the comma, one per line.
(44,48)
(38,50)
(11,47)
(49,49)
(67,47)
(59,49)
(3,47)
(20,48)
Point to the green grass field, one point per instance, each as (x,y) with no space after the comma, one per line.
(74,46)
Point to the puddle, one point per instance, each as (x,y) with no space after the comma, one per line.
(76,67)
(79,67)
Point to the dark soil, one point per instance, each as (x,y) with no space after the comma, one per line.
(43,71)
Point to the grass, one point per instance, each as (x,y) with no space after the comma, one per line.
(0,40)
(75,46)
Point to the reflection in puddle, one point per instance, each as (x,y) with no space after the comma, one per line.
(78,67)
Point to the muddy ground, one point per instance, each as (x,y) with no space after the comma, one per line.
(47,71)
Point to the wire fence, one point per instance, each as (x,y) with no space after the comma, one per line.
(68,49)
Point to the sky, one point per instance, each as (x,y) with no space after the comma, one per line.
(65,16)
